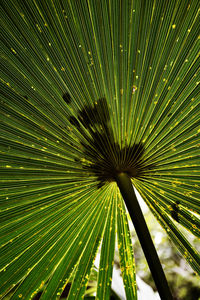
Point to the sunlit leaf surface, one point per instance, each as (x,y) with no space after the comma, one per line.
(88,89)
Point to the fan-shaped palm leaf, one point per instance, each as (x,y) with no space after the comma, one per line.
(89,90)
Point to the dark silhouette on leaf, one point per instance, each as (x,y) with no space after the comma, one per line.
(106,164)
(67,98)
(175,211)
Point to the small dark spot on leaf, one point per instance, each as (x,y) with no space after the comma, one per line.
(74,121)
(67,98)
(37,296)
(77,160)
(175,211)
(66,290)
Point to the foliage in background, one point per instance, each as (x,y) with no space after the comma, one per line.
(88,89)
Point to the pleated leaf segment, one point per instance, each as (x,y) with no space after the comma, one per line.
(90,90)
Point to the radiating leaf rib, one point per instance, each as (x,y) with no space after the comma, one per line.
(42,213)
(90,244)
(57,242)
(183,194)
(57,58)
(83,270)
(175,208)
(107,255)
(186,249)
(127,263)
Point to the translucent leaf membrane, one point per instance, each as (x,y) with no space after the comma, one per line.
(107,255)
(83,270)
(58,236)
(87,89)
(125,247)
(176,209)
(186,249)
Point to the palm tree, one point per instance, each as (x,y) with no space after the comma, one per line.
(96,97)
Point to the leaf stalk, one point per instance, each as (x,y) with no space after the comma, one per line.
(128,193)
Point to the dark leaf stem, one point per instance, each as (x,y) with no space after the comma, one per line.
(127,191)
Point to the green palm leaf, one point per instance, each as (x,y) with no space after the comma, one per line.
(90,89)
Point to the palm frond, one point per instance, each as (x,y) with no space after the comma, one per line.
(88,89)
